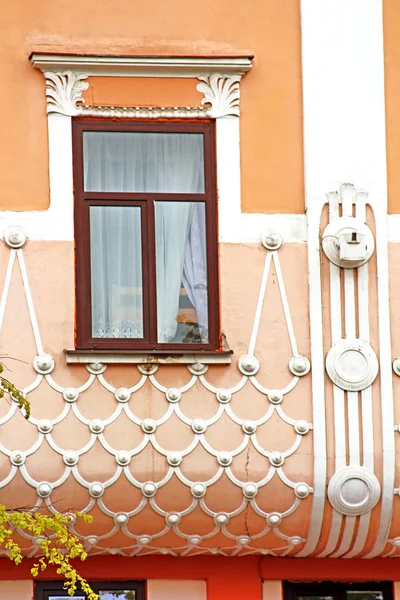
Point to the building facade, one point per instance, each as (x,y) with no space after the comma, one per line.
(199,281)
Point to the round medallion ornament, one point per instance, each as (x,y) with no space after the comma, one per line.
(275,396)
(337,236)
(123,458)
(271,240)
(224,459)
(299,365)
(248,365)
(45,426)
(274,519)
(250,490)
(199,426)
(198,369)
(96,489)
(198,490)
(70,458)
(122,394)
(224,396)
(249,427)
(121,519)
(147,368)
(70,394)
(243,540)
(149,489)
(352,364)
(173,395)
(221,519)
(149,425)
(15,237)
(96,368)
(354,491)
(17,458)
(96,426)
(174,459)
(44,489)
(43,364)
(143,540)
(173,519)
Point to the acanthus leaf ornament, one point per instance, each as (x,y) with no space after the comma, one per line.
(64,92)
(223,93)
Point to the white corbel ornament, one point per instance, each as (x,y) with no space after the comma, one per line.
(64,92)
(223,93)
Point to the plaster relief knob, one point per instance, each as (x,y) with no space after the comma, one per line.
(43,364)
(147,369)
(272,240)
(96,426)
(96,490)
(250,490)
(301,427)
(224,396)
(198,490)
(195,540)
(301,490)
(149,425)
(121,519)
(17,458)
(96,368)
(224,459)
(396,542)
(122,394)
(174,459)
(70,394)
(243,540)
(92,540)
(248,365)
(149,489)
(173,395)
(275,396)
(143,540)
(123,458)
(276,459)
(274,519)
(164,550)
(199,426)
(295,540)
(44,489)
(299,365)
(396,366)
(198,369)
(70,458)
(249,427)
(45,426)
(14,236)
(173,519)
(221,519)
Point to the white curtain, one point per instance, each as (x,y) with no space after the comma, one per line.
(145,162)
(195,268)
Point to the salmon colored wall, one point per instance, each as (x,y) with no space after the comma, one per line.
(391,24)
(271,94)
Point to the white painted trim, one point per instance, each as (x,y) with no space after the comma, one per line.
(16,590)
(142,66)
(206,358)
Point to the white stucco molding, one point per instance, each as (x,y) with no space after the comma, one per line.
(142,66)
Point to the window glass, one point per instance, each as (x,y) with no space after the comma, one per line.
(181,271)
(117,595)
(143,162)
(116,271)
(364,595)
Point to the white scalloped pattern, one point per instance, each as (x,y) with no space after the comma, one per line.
(149,543)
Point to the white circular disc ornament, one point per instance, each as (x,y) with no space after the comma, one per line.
(343,225)
(15,236)
(352,364)
(354,491)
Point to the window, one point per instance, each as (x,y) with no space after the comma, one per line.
(339,591)
(146,235)
(110,590)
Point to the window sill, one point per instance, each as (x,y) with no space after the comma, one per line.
(127,357)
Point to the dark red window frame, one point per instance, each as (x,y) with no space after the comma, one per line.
(83,201)
(44,590)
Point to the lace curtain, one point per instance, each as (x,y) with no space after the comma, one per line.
(145,162)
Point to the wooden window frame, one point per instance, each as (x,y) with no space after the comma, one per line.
(337,590)
(83,201)
(45,589)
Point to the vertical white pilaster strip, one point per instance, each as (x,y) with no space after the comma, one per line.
(344,141)
(176,589)
(16,590)
(273,590)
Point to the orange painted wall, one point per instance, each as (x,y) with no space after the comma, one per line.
(391,23)
(271,94)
